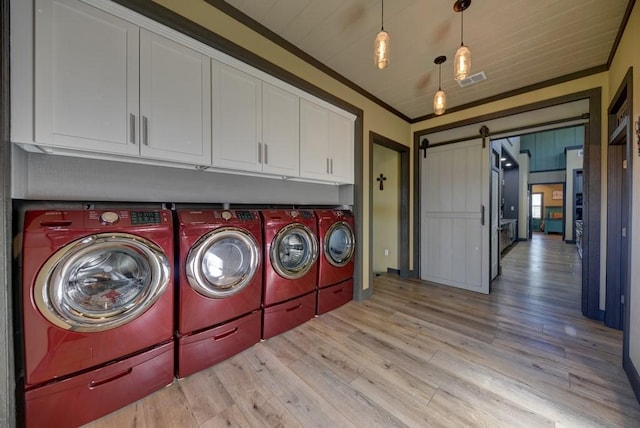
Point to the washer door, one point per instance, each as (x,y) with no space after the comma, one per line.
(293,251)
(101,282)
(222,262)
(339,244)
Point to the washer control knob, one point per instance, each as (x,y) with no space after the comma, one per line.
(226,215)
(109,217)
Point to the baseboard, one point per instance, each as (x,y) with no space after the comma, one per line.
(600,315)
(570,241)
(392,270)
(632,374)
(522,239)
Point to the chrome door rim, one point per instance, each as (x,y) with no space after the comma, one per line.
(339,225)
(309,239)
(197,278)
(52,279)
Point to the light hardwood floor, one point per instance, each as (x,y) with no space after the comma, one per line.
(419,355)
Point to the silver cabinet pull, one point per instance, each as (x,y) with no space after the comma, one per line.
(259,152)
(482,215)
(266,154)
(327,165)
(145,130)
(132,128)
(331,165)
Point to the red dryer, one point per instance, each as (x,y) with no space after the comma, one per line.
(97,301)
(337,249)
(291,269)
(220,288)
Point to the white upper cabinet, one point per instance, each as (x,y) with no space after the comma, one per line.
(175,101)
(102,81)
(237,120)
(86,78)
(255,124)
(341,148)
(326,144)
(104,85)
(280,131)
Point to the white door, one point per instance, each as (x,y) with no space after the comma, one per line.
(280,131)
(455,208)
(175,101)
(314,141)
(340,148)
(86,78)
(495,223)
(237,118)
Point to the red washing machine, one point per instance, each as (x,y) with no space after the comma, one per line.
(337,247)
(291,269)
(97,302)
(220,288)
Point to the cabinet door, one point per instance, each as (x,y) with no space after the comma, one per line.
(280,131)
(340,148)
(237,121)
(175,100)
(86,78)
(314,141)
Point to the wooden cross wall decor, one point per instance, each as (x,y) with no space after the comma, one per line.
(381,180)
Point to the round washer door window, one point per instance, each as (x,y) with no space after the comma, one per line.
(294,251)
(339,244)
(222,262)
(101,282)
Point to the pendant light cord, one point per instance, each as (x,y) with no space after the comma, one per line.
(462,28)
(439,77)
(382,18)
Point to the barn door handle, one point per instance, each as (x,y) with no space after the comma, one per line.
(482,215)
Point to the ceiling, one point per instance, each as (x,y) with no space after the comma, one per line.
(517,43)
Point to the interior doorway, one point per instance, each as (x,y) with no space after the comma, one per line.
(393,157)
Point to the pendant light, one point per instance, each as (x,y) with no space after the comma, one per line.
(381,46)
(462,60)
(440,99)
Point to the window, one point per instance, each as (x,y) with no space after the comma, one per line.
(536,205)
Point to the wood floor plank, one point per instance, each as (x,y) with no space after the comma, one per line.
(257,403)
(350,402)
(206,395)
(230,417)
(303,402)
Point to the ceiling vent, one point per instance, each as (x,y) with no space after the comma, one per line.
(478,77)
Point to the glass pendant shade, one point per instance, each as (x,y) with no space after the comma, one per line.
(381,50)
(439,102)
(462,63)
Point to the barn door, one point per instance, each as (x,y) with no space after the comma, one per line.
(455,216)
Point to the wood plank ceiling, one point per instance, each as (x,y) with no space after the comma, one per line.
(517,43)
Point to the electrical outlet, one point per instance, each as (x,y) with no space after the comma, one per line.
(386,252)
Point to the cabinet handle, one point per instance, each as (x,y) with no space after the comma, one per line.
(259,152)
(327,165)
(331,165)
(266,153)
(145,130)
(482,215)
(132,128)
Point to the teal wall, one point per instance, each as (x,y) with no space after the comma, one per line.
(547,148)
